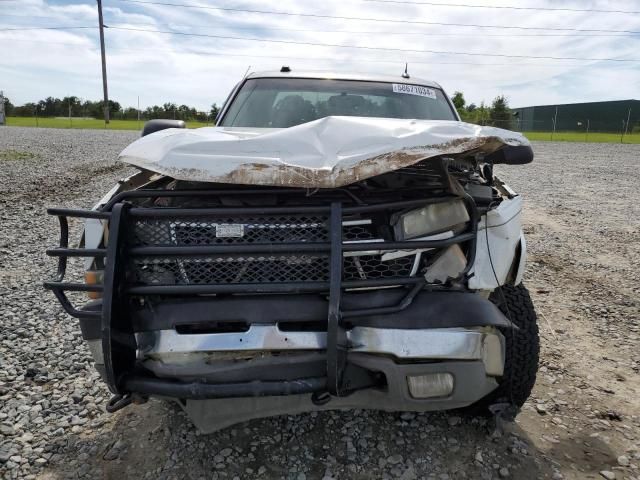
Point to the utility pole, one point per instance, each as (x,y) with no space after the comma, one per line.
(2,113)
(104,64)
(626,126)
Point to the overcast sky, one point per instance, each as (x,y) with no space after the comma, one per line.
(200,70)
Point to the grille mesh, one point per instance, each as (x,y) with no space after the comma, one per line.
(231,269)
(251,268)
(369,267)
(358,232)
(207,231)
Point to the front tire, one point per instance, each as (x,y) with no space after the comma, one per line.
(522,351)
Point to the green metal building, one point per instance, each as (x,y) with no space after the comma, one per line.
(579,117)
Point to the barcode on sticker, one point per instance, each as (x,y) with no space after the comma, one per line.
(414,90)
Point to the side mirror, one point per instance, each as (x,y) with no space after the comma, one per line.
(511,155)
(160,124)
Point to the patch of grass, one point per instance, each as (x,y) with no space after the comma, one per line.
(592,137)
(89,123)
(16,155)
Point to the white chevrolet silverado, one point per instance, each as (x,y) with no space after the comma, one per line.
(336,241)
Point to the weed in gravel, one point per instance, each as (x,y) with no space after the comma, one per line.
(16,155)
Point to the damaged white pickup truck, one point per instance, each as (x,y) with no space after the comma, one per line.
(337,241)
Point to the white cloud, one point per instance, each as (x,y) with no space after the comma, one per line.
(198,70)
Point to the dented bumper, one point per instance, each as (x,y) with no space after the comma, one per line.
(190,315)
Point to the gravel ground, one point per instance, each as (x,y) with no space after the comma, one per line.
(583,421)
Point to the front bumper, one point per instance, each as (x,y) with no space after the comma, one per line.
(471,383)
(137,330)
(442,332)
(435,344)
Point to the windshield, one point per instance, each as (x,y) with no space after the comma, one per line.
(285,102)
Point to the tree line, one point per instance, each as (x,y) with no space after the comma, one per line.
(76,107)
(498,114)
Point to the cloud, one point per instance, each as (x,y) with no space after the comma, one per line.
(199,70)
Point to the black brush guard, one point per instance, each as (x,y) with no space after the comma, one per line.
(118,339)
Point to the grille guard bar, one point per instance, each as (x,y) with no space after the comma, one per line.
(118,340)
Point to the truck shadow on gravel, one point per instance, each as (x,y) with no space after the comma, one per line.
(156,440)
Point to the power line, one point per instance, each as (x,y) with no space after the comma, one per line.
(379,32)
(25,16)
(362,47)
(287,57)
(371,32)
(504,7)
(40,28)
(370,19)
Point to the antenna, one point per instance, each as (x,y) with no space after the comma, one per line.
(406,73)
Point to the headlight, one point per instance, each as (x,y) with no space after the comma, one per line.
(434,218)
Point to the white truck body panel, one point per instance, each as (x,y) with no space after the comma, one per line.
(326,153)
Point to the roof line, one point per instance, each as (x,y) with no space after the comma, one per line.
(347,76)
(575,103)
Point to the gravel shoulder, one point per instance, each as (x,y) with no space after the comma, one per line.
(582,219)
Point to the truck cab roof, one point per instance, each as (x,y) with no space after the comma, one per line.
(363,77)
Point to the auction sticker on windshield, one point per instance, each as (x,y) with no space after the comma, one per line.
(414,90)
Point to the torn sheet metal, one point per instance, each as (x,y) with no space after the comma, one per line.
(326,153)
(496,246)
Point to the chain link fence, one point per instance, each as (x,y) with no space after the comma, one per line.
(613,121)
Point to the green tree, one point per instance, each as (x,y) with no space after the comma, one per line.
(458,101)
(213,113)
(170,110)
(26,110)
(75,103)
(56,107)
(97,110)
(8,107)
(482,114)
(476,114)
(500,115)
(130,113)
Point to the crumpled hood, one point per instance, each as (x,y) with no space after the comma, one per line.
(326,153)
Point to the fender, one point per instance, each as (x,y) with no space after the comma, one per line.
(521,261)
(504,235)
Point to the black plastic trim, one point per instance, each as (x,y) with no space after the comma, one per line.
(336,335)
(201,391)
(427,309)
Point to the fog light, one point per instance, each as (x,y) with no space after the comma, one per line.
(431,385)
